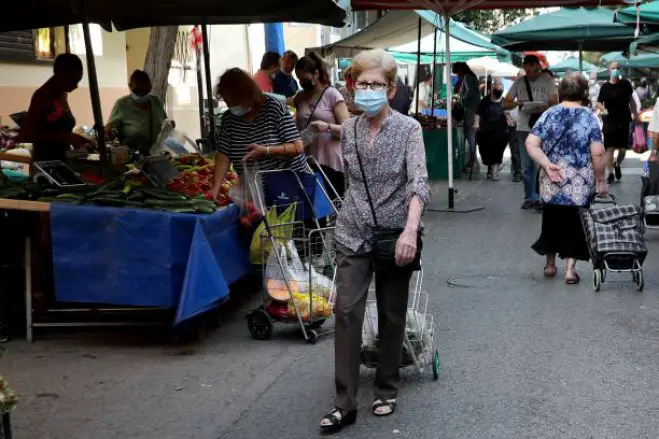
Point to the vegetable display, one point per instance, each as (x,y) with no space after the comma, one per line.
(196,178)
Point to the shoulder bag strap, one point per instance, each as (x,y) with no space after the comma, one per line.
(315,106)
(361,168)
(528,88)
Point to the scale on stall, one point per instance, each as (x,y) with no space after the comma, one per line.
(158,169)
(56,173)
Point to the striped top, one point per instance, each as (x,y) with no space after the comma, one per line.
(273,125)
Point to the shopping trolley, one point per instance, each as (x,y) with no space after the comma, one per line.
(615,238)
(419,342)
(298,258)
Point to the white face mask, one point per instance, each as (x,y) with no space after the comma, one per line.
(140,99)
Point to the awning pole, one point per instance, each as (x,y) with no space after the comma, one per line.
(581,57)
(449,108)
(209,84)
(434,75)
(96,96)
(200,86)
(418,66)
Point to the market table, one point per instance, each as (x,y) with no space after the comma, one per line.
(139,257)
(146,258)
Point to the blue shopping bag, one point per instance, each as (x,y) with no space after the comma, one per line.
(282,189)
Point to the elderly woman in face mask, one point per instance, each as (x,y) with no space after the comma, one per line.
(492,130)
(136,119)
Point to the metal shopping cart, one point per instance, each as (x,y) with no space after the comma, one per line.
(419,343)
(298,258)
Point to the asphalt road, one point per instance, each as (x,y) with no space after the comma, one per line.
(522,357)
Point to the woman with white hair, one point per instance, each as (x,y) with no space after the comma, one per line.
(378,233)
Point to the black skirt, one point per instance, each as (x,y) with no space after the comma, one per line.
(562,233)
(491,146)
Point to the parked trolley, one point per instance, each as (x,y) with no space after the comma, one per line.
(297,251)
(419,343)
(615,237)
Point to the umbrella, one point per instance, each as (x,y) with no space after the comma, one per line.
(646,61)
(125,14)
(449,7)
(572,64)
(590,29)
(644,17)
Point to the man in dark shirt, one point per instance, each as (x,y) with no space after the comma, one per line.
(616,104)
(284,82)
(401,101)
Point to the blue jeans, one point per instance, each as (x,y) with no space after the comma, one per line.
(529,169)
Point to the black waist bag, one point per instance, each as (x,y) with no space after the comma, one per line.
(385,238)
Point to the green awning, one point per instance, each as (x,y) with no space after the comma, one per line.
(410,58)
(587,29)
(646,61)
(649,14)
(572,64)
(645,44)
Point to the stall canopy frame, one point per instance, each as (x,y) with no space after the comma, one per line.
(448,7)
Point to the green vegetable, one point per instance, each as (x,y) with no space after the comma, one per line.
(127,188)
(167,204)
(70,196)
(204,209)
(12,192)
(60,200)
(163,194)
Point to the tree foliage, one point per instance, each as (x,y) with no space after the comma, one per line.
(490,21)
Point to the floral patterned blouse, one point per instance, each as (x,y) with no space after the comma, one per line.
(395,168)
(567,134)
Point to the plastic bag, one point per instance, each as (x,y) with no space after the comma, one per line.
(261,246)
(174,141)
(640,145)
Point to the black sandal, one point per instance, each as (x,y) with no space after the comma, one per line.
(389,403)
(337,419)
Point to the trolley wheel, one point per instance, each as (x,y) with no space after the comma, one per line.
(435,366)
(312,336)
(639,281)
(597,280)
(259,324)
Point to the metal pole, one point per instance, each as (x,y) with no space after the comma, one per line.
(200,90)
(209,85)
(418,66)
(434,74)
(67,42)
(96,96)
(449,107)
(581,57)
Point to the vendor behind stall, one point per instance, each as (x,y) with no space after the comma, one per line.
(49,122)
(256,127)
(136,119)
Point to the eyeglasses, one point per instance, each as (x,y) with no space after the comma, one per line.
(363,85)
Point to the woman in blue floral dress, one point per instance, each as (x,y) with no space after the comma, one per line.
(566,143)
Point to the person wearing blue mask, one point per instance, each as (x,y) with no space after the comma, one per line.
(136,119)
(255,127)
(386,184)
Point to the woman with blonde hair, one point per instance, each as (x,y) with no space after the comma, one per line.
(256,127)
(386,193)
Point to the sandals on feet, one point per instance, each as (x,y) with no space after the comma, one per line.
(384,408)
(572,280)
(550,271)
(335,420)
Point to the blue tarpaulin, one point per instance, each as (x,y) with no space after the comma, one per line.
(137,257)
(274,38)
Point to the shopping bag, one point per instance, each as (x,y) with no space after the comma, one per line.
(281,226)
(639,143)
(283,188)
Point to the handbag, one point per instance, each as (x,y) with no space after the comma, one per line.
(385,238)
(640,145)
(533,117)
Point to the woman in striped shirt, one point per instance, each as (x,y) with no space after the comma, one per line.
(256,127)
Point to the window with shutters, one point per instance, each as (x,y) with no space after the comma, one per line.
(31,45)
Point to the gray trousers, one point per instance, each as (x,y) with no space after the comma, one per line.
(353,278)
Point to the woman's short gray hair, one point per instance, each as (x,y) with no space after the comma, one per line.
(375,59)
(573,87)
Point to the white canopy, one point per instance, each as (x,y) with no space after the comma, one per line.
(427,45)
(491,66)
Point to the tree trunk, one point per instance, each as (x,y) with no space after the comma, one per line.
(159,58)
